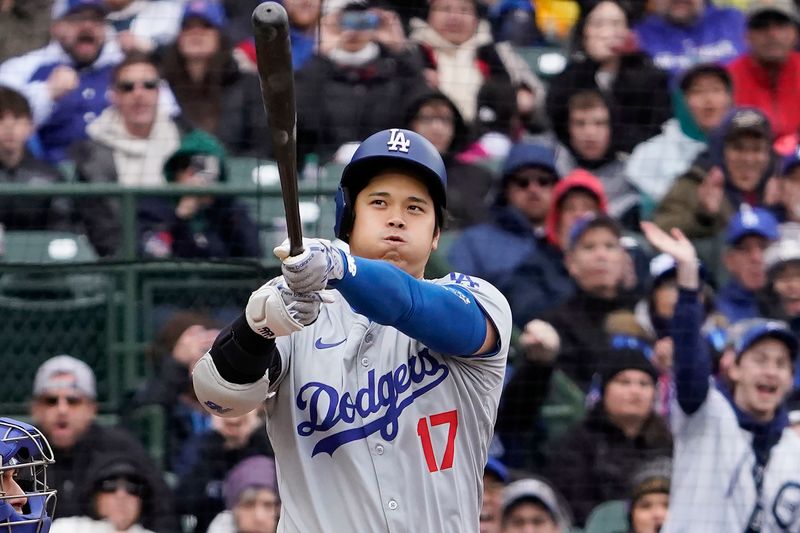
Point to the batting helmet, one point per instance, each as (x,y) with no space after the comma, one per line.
(393,148)
(24,449)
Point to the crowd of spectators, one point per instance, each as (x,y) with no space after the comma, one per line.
(627,173)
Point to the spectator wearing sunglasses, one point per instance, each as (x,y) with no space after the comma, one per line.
(516,219)
(128,144)
(64,406)
(116,498)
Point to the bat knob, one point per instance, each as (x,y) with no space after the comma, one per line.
(269,16)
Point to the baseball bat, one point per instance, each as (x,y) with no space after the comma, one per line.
(274,60)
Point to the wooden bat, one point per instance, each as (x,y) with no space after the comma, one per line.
(274,59)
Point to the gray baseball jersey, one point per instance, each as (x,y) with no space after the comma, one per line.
(373,432)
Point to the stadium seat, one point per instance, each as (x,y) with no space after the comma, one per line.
(608,517)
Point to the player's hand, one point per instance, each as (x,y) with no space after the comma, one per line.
(274,310)
(541,341)
(311,270)
(62,80)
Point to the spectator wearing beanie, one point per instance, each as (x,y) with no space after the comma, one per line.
(649,500)
(594,459)
(251,498)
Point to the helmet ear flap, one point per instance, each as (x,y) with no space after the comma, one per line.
(345,214)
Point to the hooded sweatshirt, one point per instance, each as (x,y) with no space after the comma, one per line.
(138,161)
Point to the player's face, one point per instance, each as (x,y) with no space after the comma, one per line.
(590,132)
(119,501)
(708,100)
(529,517)
(746,158)
(10,489)
(63,415)
(596,262)
(649,513)
(529,190)
(395,220)
(629,396)
(762,378)
(745,261)
(135,96)
(257,511)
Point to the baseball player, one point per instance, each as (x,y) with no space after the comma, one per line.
(26,502)
(381,402)
(736,462)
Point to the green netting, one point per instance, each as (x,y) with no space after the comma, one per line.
(34,330)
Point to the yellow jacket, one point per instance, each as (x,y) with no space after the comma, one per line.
(555,18)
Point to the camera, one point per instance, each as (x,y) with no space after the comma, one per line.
(359,20)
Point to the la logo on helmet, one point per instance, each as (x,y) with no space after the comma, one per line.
(397,141)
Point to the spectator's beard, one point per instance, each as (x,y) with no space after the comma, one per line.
(85,49)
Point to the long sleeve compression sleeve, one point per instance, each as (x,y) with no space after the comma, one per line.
(447,319)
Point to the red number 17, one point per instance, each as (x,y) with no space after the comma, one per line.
(450,418)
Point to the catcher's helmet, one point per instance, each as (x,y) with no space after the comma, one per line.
(24,449)
(393,148)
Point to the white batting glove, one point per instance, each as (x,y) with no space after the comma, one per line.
(310,271)
(274,310)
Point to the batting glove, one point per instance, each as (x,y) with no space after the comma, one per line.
(274,310)
(310,271)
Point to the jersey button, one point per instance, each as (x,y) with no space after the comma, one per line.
(368,339)
(364,361)
(379,449)
(392,505)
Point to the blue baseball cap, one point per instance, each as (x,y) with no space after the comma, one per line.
(209,11)
(591,221)
(524,155)
(495,467)
(790,161)
(772,329)
(751,221)
(64,8)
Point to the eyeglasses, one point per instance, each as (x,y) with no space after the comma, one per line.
(110,486)
(130,86)
(52,401)
(524,182)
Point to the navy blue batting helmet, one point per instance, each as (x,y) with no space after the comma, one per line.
(393,148)
(26,503)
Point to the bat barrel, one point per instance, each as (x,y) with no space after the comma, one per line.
(274,60)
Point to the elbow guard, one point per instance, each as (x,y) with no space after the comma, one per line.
(223,398)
